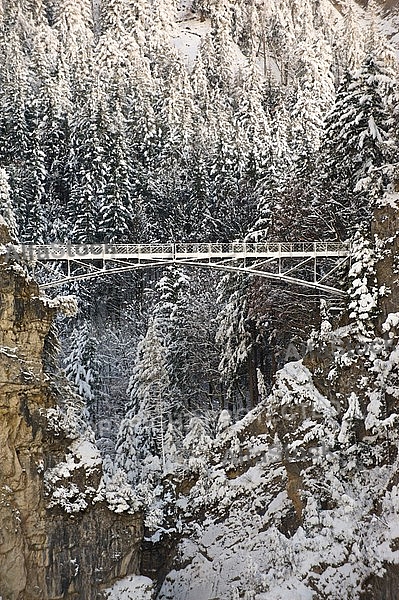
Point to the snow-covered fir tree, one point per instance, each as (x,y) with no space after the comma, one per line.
(6,207)
(358,142)
(82,365)
(151,398)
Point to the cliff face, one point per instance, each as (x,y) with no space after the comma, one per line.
(55,541)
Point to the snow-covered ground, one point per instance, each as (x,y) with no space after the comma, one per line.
(131,588)
(187,38)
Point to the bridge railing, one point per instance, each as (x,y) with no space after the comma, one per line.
(179,250)
(256,248)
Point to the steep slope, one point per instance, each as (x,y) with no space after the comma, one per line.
(301,498)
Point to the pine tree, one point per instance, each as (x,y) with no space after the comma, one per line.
(199,80)
(199,204)
(82,366)
(73,20)
(233,338)
(149,387)
(356,146)
(54,135)
(196,444)
(222,69)
(169,204)
(251,118)
(33,227)
(53,105)
(6,207)
(165,13)
(15,135)
(86,174)
(117,213)
(171,313)
(231,212)
(275,183)
(353,35)
(279,35)
(314,92)
(224,421)
(115,15)
(136,450)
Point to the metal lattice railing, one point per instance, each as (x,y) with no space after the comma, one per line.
(53,252)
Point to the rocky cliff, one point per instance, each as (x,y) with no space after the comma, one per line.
(56,541)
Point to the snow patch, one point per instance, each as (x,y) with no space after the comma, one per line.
(389,199)
(188,37)
(187,40)
(134,587)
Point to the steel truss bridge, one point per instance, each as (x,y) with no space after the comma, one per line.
(308,264)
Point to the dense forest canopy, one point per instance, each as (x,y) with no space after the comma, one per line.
(143,120)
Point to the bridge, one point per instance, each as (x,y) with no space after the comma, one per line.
(308,264)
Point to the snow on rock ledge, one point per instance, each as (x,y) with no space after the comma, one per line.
(131,588)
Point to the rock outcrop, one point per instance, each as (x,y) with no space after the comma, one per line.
(48,550)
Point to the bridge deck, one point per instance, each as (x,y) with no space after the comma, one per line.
(204,251)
